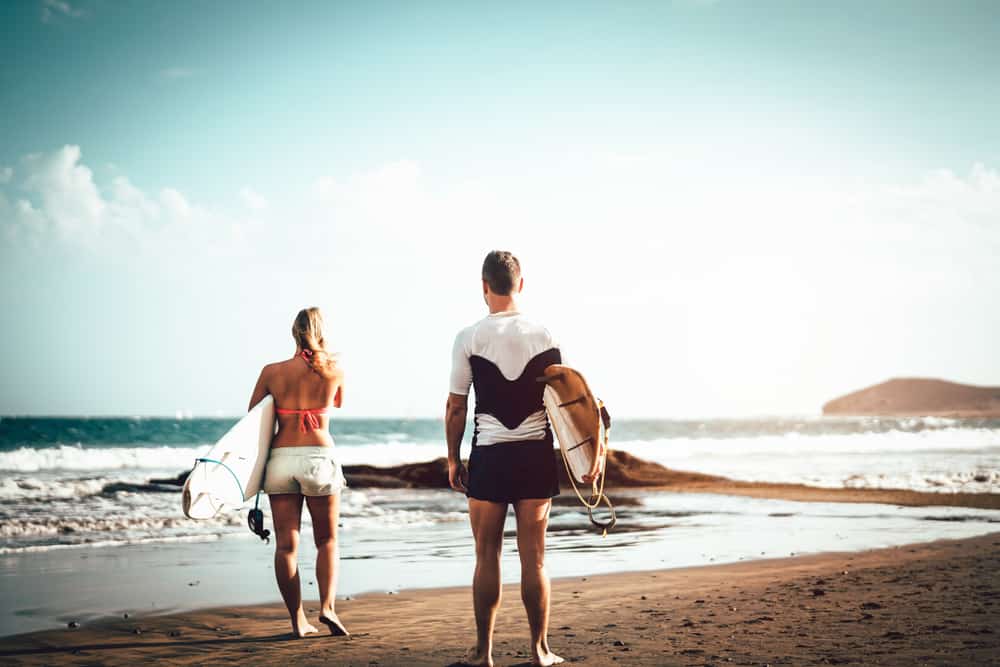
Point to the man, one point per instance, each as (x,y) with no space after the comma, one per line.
(511,461)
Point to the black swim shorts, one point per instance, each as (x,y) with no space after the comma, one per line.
(506,472)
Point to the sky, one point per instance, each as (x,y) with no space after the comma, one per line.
(721,208)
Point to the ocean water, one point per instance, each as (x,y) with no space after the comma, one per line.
(82,528)
(68,482)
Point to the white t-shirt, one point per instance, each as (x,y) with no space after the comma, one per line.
(501,355)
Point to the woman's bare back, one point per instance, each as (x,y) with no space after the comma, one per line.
(296,386)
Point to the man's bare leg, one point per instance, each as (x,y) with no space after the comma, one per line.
(487,529)
(532,521)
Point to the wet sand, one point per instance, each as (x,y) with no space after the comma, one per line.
(814,494)
(928,604)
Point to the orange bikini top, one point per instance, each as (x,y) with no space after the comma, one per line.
(307,416)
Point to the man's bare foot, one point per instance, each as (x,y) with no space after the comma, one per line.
(547,659)
(476,658)
(330,620)
(304,628)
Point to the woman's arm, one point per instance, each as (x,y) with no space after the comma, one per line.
(259,391)
(338,379)
(338,398)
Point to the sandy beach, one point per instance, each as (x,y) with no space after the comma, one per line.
(927,604)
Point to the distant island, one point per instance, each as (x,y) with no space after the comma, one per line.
(918,397)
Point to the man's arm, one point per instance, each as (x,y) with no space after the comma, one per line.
(456,411)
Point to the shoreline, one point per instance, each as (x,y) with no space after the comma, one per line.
(928,603)
(811,494)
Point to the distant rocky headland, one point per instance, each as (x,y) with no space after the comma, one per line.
(918,397)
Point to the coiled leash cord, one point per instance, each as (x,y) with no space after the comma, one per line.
(597,496)
(255,518)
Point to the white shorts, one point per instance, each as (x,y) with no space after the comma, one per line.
(310,471)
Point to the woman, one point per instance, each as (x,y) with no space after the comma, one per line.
(302,465)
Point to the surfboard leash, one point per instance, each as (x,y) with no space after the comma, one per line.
(235,478)
(597,494)
(255,518)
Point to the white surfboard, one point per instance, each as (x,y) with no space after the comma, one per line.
(576,420)
(234,469)
(581,424)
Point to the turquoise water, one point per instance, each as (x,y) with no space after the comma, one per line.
(85,481)
(90,432)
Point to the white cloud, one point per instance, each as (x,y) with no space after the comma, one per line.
(56,196)
(379,191)
(53,8)
(696,3)
(178,73)
(942,196)
(175,203)
(615,202)
(20,222)
(130,209)
(65,188)
(253,200)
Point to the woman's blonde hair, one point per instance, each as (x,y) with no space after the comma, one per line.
(307,330)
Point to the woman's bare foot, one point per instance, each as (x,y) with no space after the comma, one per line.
(303,629)
(476,658)
(330,620)
(546,659)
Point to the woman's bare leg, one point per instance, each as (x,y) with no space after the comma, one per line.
(532,521)
(286,512)
(325,512)
(487,529)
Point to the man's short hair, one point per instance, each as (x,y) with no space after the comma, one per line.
(501,271)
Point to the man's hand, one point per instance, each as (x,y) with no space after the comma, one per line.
(595,469)
(458,476)
(454,428)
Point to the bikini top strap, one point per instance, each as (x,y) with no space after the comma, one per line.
(305,417)
(310,417)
